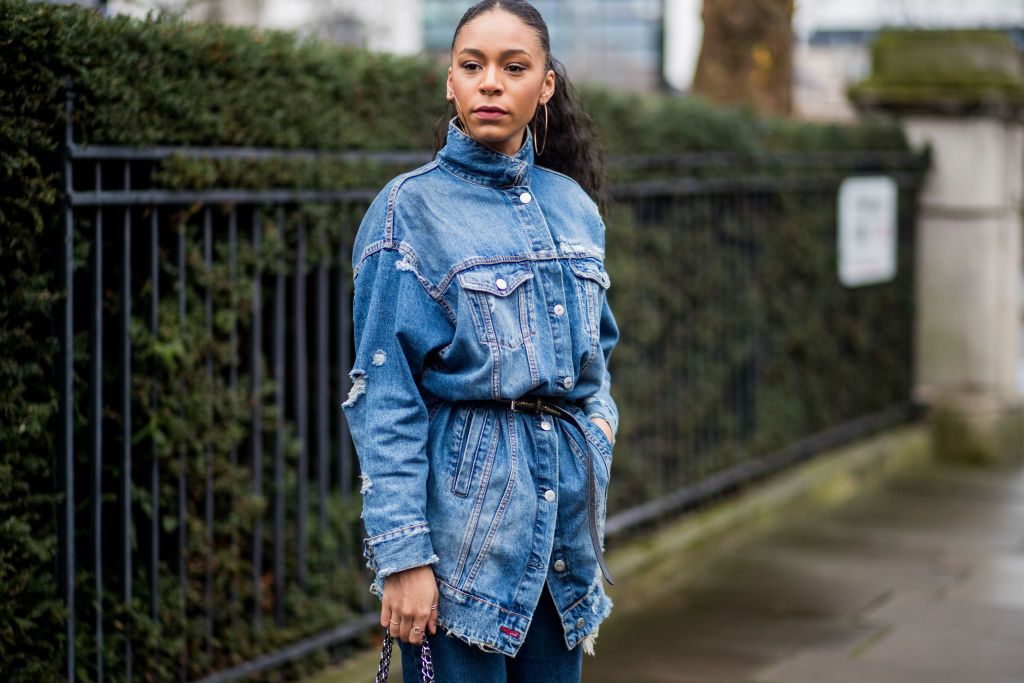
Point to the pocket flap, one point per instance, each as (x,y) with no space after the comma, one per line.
(500,280)
(592,269)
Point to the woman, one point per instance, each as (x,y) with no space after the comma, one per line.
(480,405)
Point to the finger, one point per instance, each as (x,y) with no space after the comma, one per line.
(389,619)
(394,625)
(432,621)
(418,629)
(420,620)
(417,617)
(416,633)
(406,628)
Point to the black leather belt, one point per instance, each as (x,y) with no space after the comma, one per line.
(536,405)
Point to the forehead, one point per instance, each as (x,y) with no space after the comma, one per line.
(496,31)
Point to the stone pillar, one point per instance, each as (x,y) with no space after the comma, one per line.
(969,257)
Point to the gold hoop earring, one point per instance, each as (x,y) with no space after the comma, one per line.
(462,120)
(542,147)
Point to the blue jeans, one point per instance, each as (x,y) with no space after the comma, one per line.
(542,657)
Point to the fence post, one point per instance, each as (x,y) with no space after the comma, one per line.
(66,445)
(969,235)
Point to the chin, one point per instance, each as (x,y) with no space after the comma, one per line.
(491,136)
(495,133)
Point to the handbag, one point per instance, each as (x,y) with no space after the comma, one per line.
(426,664)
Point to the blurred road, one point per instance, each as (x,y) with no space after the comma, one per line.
(918,580)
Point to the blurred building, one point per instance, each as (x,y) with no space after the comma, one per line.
(398,30)
(612,42)
(638,45)
(834,41)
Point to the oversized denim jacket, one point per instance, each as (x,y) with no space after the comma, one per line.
(481,275)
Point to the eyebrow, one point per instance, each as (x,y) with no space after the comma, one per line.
(503,55)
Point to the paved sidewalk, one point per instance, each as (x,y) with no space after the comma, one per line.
(918,580)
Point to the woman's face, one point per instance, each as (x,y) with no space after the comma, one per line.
(498,78)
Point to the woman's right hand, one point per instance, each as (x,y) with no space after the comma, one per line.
(408,598)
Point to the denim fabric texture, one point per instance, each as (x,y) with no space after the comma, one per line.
(481,275)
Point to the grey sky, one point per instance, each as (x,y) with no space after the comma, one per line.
(872,14)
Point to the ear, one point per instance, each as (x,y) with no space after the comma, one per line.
(448,85)
(547,89)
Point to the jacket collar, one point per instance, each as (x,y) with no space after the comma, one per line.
(471,160)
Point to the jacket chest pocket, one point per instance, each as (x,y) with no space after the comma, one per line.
(591,281)
(500,301)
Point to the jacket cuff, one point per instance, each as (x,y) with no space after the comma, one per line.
(397,550)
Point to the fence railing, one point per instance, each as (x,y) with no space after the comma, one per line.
(210,524)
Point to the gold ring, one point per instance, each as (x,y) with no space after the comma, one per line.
(433,607)
(398,623)
(417,630)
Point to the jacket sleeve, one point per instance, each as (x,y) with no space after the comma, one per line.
(396,324)
(601,404)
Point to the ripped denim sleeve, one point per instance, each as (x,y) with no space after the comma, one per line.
(395,324)
(396,550)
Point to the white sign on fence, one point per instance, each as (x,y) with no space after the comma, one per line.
(867,230)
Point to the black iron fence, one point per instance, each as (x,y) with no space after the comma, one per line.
(742,351)
(210,524)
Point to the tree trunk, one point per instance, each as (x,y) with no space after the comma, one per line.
(747,54)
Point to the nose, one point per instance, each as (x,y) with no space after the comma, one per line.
(491,82)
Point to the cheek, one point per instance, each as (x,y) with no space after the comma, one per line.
(528,110)
(527,100)
(458,85)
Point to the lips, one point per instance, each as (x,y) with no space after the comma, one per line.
(490,113)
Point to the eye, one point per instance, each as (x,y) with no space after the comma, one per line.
(469,66)
(517,68)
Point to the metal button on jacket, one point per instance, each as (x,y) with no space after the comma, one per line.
(559,566)
(468,302)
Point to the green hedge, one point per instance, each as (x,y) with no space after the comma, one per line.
(172,83)
(920,70)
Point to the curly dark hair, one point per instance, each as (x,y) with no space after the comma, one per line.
(571,146)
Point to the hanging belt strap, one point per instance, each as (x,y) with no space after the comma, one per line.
(536,405)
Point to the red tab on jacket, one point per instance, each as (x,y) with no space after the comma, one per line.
(510,632)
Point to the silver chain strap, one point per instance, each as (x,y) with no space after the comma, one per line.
(426,662)
(385,660)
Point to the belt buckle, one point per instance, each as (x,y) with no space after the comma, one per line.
(533,409)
